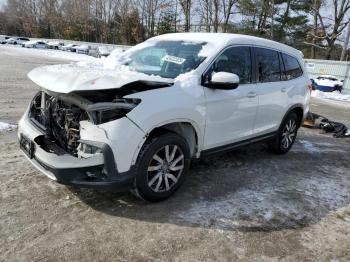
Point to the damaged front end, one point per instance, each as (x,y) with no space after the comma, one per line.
(62,137)
(76,130)
(59,116)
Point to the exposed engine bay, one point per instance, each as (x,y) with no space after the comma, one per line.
(59,115)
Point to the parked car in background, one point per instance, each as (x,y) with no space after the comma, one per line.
(74,48)
(3,39)
(35,44)
(171,99)
(17,40)
(55,45)
(83,49)
(68,47)
(327,83)
(99,51)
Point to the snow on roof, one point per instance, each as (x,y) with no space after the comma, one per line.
(327,76)
(221,40)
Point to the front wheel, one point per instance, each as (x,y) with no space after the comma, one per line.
(161,167)
(286,135)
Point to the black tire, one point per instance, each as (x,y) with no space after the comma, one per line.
(286,135)
(147,160)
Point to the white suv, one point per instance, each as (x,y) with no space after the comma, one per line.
(172,98)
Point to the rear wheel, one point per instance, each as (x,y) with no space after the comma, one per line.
(286,135)
(161,167)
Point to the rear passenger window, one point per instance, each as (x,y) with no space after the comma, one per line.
(291,64)
(236,60)
(269,69)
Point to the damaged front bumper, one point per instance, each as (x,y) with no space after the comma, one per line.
(97,171)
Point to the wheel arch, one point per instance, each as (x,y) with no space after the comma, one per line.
(298,109)
(185,128)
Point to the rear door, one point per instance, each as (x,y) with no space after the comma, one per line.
(230,114)
(271,89)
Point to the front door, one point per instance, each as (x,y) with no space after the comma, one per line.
(230,114)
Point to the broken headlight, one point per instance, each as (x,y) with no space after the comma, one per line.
(89,149)
(105,116)
(109,111)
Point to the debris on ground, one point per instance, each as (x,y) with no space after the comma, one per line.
(339,130)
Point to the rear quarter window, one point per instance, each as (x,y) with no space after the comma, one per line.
(292,67)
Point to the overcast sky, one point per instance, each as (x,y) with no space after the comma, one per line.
(2,2)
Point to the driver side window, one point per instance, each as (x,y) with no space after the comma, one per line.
(236,60)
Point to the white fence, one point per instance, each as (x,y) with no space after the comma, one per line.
(339,69)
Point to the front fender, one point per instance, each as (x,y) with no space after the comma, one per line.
(170,105)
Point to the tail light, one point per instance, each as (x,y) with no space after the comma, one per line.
(310,88)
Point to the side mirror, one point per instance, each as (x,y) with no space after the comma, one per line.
(224,80)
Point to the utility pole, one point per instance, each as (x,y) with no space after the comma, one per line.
(346,43)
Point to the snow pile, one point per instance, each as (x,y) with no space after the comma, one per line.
(113,60)
(344,96)
(6,127)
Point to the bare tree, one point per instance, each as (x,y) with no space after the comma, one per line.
(186,6)
(332,30)
(315,11)
(227,9)
(206,13)
(216,21)
(264,14)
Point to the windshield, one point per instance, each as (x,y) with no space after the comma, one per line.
(167,59)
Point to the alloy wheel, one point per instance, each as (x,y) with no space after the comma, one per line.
(165,168)
(289,134)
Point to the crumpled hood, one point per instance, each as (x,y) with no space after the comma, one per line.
(73,77)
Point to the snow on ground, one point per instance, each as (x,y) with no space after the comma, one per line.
(344,96)
(267,206)
(6,126)
(271,198)
(47,53)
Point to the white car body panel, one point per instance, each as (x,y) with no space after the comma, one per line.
(120,135)
(234,119)
(3,39)
(190,108)
(35,44)
(16,40)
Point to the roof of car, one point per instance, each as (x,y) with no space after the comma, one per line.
(224,39)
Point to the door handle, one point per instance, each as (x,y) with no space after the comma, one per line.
(251,95)
(284,89)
